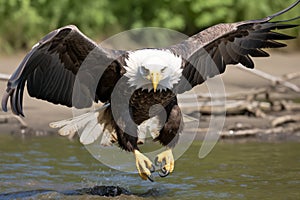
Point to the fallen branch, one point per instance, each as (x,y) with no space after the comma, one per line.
(230,107)
(291,76)
(285,119)
(256,131)
(234,95)
(19,119)
(274,79)
(290,106)
(4,77)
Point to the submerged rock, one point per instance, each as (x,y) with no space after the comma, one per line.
(108,191)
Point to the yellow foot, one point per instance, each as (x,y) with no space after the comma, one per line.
(165,161)
(143,165)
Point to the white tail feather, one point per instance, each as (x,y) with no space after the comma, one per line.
(86,124)
(72,125)
(91,131)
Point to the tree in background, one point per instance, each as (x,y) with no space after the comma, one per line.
(23,22)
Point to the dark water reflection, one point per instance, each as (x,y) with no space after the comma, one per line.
(250,170)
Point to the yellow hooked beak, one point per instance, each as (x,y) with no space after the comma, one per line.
(155,77)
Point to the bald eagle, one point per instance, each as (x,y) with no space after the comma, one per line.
(152,76)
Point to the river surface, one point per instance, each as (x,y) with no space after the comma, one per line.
(46,167)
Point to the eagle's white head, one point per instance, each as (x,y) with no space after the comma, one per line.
(153,69)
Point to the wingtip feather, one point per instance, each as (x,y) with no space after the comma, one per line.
(5,101)
(284,10)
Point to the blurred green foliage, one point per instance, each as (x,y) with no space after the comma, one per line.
(23,22)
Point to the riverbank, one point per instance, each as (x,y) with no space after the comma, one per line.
(40,113)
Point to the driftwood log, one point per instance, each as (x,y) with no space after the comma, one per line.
(258,102)
(284,80)
(5,117)
(4,77)
(277,121)
(255,131)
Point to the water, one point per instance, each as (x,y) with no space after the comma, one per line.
(252,170)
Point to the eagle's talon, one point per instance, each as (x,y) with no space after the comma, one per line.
(150,178)
(163,173)
(156,162)
(144,166)
(164,170)
(152,169)
(165,161)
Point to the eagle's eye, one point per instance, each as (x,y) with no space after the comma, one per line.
(144,71)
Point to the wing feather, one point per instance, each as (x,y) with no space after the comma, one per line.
(50,69)
(225,44)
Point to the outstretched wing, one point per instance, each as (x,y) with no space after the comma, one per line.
(50,70)
(207,53)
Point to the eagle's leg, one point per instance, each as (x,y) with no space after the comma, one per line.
(166,162)
(169,136)
(128,142)
(144,165)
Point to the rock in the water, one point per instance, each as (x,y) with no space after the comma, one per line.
(109,191)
